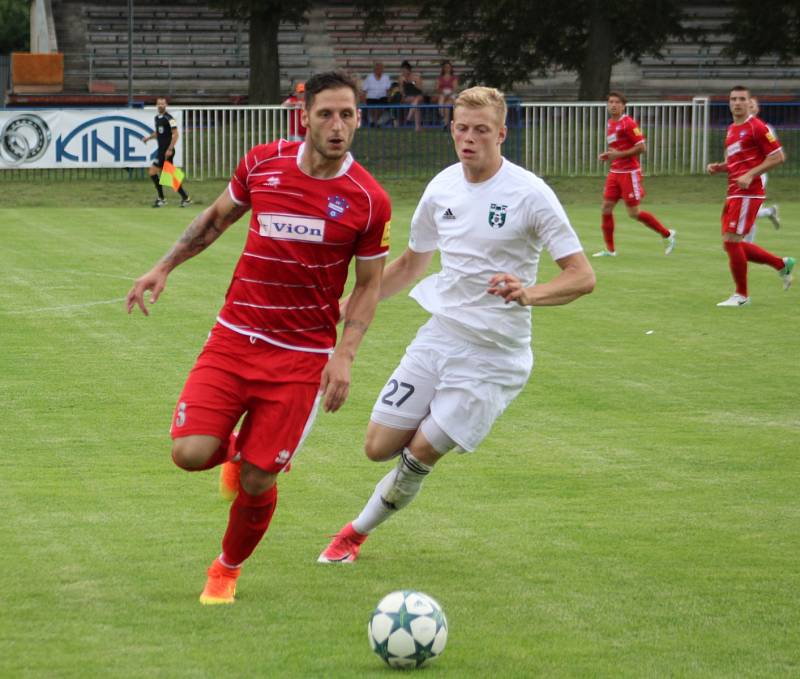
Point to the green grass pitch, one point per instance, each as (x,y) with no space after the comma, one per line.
(635,512)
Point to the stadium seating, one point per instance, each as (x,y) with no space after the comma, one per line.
(187,50)
(402,39)
(195,54)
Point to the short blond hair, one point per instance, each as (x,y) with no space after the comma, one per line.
(478,97)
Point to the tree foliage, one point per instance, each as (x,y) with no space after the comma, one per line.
(263,18)
(511,41)
(762,29)
(14,26)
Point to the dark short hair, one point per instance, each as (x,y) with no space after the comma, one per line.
(740,88)
(329,80)
(618,95)
(406,64)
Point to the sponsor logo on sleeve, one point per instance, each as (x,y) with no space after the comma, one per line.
(637,131)
(387,230)
(292,227)
(770,137)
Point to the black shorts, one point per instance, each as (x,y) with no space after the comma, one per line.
(373,102)
(162,156)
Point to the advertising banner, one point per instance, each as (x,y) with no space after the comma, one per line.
(80,138)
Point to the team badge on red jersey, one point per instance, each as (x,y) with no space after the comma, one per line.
(337,206)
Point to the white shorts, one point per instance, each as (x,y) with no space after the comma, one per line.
(463,385)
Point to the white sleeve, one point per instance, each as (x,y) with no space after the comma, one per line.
(551,225)
(424,236)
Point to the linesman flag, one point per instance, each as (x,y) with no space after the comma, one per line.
(171,176)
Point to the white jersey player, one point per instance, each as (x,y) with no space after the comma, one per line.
(490,220)
(770,212)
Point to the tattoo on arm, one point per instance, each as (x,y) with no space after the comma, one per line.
(360,326)
(197,237)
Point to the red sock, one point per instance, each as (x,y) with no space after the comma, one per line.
(222,454)
(761,256)
(649,219)
(248,521)
(738,262)
(608,232)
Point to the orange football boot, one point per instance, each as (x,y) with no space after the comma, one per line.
(221,584)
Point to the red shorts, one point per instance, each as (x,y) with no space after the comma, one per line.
(739,214)
(625,185)
(276,389)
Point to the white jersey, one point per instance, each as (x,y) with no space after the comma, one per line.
(496,226)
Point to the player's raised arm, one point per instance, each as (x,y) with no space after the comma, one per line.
(360,310)
(203,231)
(575,280)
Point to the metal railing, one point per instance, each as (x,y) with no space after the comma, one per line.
(567,138)
(550,139)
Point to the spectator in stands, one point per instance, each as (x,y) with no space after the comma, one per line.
(412,88)
(375,91)
(446,89)
(166,133)
(295,101)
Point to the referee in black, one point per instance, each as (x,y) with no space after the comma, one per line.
(166,133)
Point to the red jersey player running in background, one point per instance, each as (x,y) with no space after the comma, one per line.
(625,145)
(750,150)
(270,356)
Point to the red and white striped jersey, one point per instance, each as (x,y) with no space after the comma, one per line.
(622,135)
(303,233)
(746,146)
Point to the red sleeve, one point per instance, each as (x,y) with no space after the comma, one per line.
(239,187)
(634,133)
(374,241)
(767,142)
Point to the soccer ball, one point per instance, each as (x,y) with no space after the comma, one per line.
(408,629)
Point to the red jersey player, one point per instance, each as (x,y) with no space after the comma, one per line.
(625,145)
(271,355)
(750,150)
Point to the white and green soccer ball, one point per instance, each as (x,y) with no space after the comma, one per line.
(408,629)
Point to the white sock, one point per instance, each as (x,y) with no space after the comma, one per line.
(765,212)
(393,492)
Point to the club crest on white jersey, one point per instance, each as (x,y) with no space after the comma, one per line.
(292,227)
(497,215)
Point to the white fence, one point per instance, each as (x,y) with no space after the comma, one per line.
(216,137)
(566,138)
(548,138)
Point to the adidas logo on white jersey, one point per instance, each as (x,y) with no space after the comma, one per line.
(448,214)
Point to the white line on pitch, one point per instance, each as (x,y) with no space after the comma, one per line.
(65,307)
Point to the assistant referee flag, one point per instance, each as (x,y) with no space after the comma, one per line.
(171,176)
